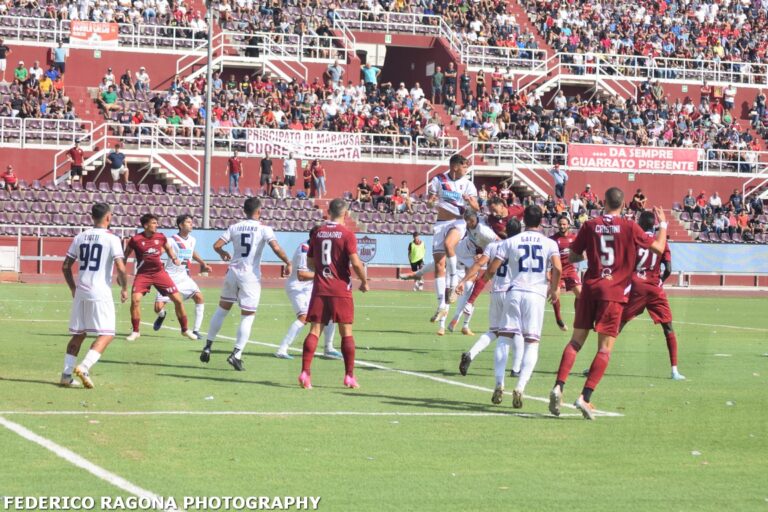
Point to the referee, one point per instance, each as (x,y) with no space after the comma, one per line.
(416,252)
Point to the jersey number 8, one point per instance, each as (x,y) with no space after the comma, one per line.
(325,252)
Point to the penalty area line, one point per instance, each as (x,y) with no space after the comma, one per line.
(442,380)
(77,460)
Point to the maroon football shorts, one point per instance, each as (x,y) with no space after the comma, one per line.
(604,316)
(570,281)
(651,298)
(143,283)
(324,309)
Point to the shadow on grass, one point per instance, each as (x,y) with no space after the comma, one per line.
(200,366)
(31,381)
(223,379)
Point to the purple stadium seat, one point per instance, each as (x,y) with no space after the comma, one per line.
(144,189)
(90,186)
(157,189)
(685,217)
(104,186)
(697,216)
(171,190)
(117,188)
(676,207)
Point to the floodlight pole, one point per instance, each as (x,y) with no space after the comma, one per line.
(208,123)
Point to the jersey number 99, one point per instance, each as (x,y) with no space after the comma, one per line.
(90,257)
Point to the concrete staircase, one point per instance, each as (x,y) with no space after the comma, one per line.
(677,231)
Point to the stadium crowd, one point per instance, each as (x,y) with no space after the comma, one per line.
(714,220)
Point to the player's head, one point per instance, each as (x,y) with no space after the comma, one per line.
(184,222)
(647,220)
(337,208)
(458,164)
(252,206)
(614,199)
(532,216)
(101,214)
(471,218)
(497,206)
(415,236)
(149,223)
(513,227)
(563,224)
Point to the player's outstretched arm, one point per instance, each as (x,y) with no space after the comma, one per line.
(658,245)
(359,269)
(122,279)
(204,267)
(66,269)
(472,274)
(171,253)
(218,246)
(281,254)
(493,266)
(554,279)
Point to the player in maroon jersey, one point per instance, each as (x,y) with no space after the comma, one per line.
(570,277)
(331,252)
(648,291)
(150,271)
(611,244)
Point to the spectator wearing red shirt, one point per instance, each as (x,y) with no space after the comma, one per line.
(589,198)
(11,180)
(318,174)
(76,156)
(235,170)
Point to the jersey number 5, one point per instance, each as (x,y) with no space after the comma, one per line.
(245,242)
(607,255)
(325,252)
(90,257)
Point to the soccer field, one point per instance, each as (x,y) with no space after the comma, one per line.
(415,436)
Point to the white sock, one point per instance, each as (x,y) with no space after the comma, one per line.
(90,359)
(293,331)
(161,314)
(530,356)
(451,267)
(328,333)
(500,359)
(674,368)
(442,321)
(199,312)
(243,333)
(481,344)
(70,362)
(440,290)
(216,322)
(517,359)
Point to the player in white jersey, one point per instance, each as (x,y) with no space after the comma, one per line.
(96,251)
(528,256)
(183,244)
(299,291)
(453,192)
(478,236)
(242,283)
(500,283)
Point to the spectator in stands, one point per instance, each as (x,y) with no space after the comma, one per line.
(561,179)
(482,195)
(10,179)
(318,174)
(576,206)
(265,178)
(364,192)
(715,202)
(756,205)
(403,196)
(60,57)
(390,190)
(589,198)
(450,76)
(334,75)
(126,82)
(76,157)
(289,171)
(465,85)
(729,97)
(235,171)
(4,52)
(549,208)
(36,71)
(733,223)
(370,77)
(117,167)
(142,80)
(638,201)
(742,223)
(279,190)
(720,223)
(689,202)
(109,77)
(108,102)
(377,192)
(307,177)
(736,201)
(438,77)
(702,203)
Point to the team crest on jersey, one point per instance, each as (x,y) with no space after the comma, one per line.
(366,248)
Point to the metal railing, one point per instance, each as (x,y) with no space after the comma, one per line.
(306,47)
(512,58)
(56,132)
(11,131)
(429,148)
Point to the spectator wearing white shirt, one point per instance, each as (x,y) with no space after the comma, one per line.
(417,93)
(576,205)
(36,71)
(729,97)
(142,79)
(715,202)
(109,78)
(289,170)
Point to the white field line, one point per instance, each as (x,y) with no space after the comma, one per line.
(280,413)
(367,364)
(77,460)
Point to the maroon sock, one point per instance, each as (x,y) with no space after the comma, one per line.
(672,347)
(556,307)
(597,370)
(183,322)
(348,351)
(477,289)
(135,323)
(310,345)
(566,363)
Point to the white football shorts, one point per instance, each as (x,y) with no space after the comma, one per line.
(299,301)
(186,285)
(245,289)
(496,311)
(442,228)
(92,317)
(524,314)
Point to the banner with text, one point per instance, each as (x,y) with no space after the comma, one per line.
(92,33)
(303,144)
(601,157)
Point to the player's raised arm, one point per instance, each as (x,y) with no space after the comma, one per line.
(281,254)
(359,269)
(554,279)
(66,269)
(658,245)
(218,246)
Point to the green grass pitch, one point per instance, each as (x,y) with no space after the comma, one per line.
(414,436)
